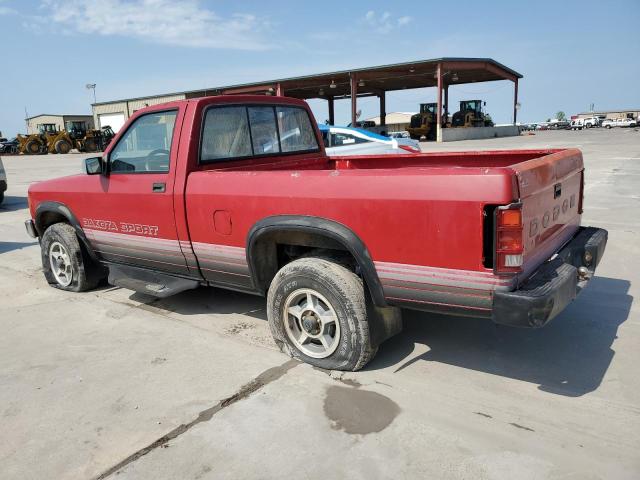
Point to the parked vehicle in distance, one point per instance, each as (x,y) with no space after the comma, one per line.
(251,202)
(590,122)
(403,134)
(576,124)
(371,126)
(355,141)
(3,181)
(619,122)
(9,146)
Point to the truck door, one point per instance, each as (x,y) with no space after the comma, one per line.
(130,220)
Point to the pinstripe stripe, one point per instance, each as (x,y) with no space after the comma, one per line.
(439,289)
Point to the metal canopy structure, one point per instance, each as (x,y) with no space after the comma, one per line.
(376,81)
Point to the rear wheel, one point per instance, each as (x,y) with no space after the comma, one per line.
(317,313)
(62,147)
(65,264)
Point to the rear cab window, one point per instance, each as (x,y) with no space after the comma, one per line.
(232,132)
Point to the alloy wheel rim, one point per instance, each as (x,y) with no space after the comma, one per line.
(60,264)
(311,323)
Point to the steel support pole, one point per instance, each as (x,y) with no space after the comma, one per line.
(383,108)
(279,90)
(446,103)
(515,101)
(354,99)
(439,108)
(332,117)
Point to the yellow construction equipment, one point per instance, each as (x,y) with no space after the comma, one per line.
(76,135)
(423,124)
(36,143)
(471,115)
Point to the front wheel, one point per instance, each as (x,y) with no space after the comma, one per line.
(317,313)
(62,147)
(64,263)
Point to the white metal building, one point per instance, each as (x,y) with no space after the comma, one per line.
(611,114)
(57,121)
(395,121)
(114,114)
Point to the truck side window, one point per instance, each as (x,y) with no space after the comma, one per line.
(226,134)
(145,146)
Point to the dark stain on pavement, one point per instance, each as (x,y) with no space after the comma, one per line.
(358,411)
(482,414)
(522,427)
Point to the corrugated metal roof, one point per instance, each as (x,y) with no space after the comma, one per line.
(603,112)
(397,76)
(60,115)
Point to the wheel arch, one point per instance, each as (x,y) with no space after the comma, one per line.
(48,213)
(264,235)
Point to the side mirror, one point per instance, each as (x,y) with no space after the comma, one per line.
(93,165)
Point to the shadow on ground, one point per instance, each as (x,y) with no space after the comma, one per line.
(11,204)
(567,357)
(207,300)
(9,246)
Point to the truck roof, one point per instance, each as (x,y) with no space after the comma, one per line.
(230,99)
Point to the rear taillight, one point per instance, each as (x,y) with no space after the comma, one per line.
(509,243)
(581,199)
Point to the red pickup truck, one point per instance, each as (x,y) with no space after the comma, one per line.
(236,192)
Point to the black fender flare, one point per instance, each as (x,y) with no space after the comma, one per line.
(61,210)
(321,227)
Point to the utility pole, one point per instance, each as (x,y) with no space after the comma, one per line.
(92,86)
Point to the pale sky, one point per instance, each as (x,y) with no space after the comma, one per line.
(571,53)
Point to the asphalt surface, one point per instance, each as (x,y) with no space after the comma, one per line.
(110,384)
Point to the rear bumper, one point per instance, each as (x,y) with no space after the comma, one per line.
(554,285)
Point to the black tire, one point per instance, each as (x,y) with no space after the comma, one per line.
(32,147)
(1,197)
(90,145)
(344,291)
(62,147)
(85,274)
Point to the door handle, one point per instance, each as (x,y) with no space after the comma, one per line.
(159,187)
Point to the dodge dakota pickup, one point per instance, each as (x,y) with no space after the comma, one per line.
(237,192)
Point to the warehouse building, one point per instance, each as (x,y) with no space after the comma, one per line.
(611,114)
(351,85)
(395,121)
(55,122)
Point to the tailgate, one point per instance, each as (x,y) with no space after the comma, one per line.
(550,189)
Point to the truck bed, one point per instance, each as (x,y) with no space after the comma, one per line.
(419,196)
